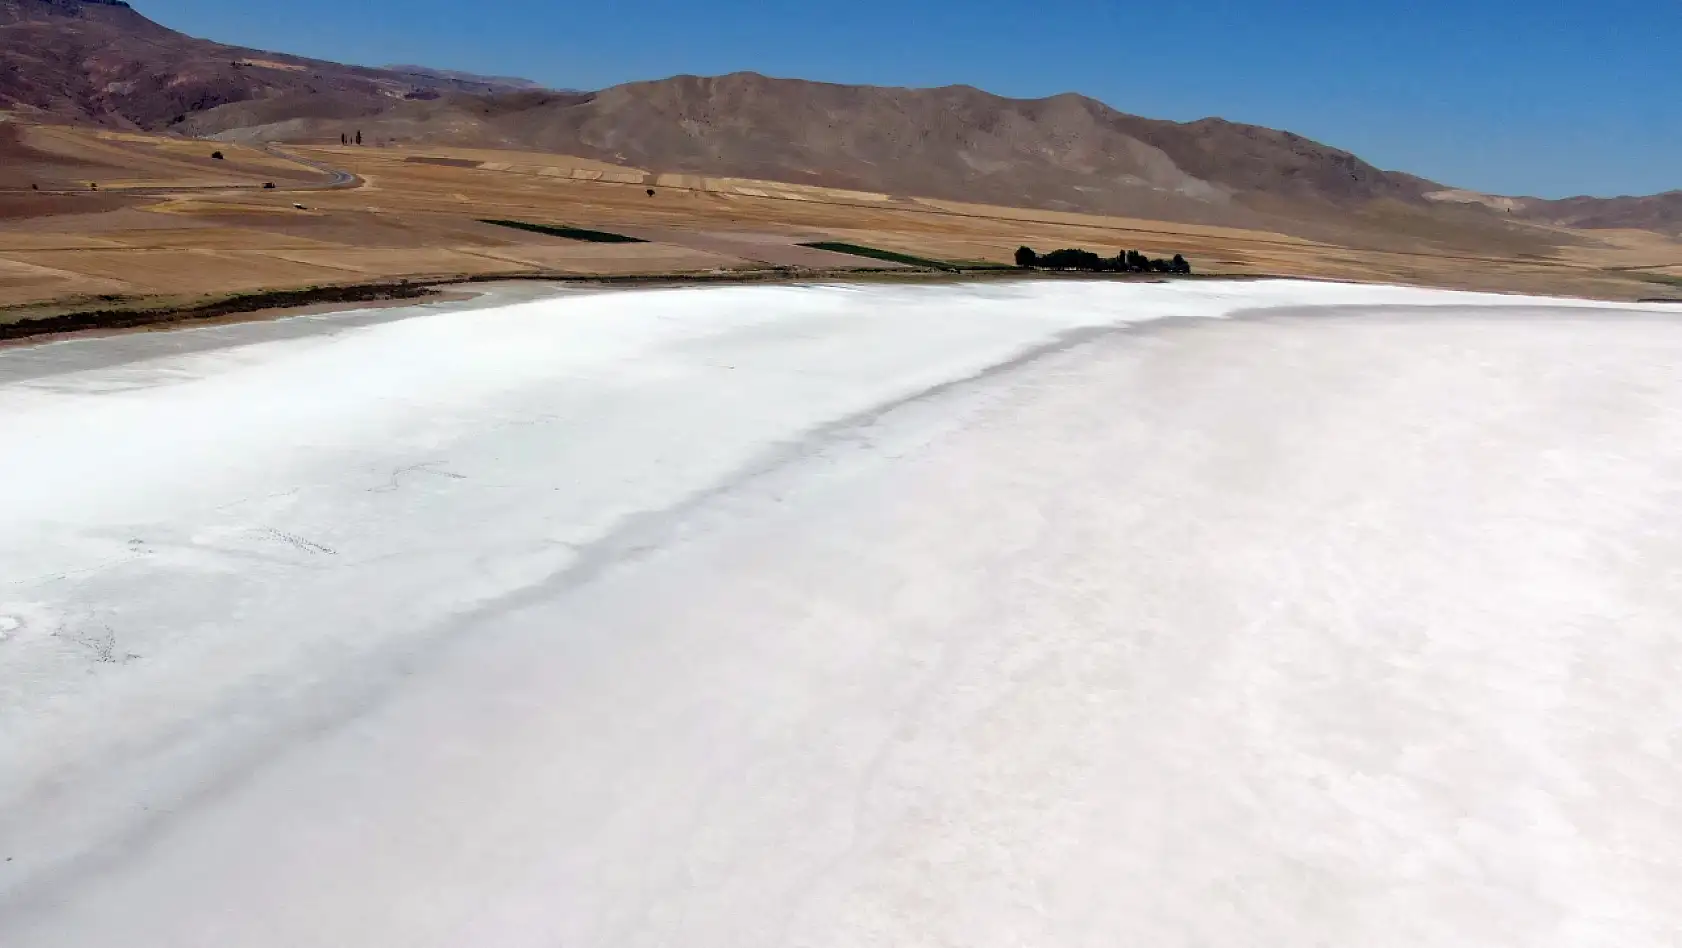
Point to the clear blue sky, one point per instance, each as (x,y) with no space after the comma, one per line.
(1549,99)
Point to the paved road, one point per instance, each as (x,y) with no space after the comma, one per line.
(338,180)
(772,616)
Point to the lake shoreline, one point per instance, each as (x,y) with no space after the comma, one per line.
(161,316)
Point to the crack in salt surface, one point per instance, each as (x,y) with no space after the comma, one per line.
(630,540)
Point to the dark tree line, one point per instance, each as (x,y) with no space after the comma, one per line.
(1128,261)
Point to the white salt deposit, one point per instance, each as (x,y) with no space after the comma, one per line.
(1040,614)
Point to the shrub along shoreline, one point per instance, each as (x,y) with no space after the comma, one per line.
(1126,261)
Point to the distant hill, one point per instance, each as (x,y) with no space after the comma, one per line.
(490,83)
(1660,212)
(99,61)
(957,142)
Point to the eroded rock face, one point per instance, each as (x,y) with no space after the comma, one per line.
(14,10)
(103,62)
(100,61)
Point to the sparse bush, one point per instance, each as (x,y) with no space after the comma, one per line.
(268,185)
(569,233)
(216,155)
(650,192)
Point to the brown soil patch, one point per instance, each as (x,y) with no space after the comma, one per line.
(391,263)
(172,271)
(773,250)
(22,164)
(88,217)
(56,157)
(586,258)
(33,207)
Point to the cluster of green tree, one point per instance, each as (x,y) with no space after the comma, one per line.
(1128,261)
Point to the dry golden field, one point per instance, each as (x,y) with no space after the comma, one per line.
(168,222)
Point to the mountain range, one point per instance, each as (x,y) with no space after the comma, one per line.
(102,62)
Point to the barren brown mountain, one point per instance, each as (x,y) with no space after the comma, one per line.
(1065,152)
(100,61)
(1659,212)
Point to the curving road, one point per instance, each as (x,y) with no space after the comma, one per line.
(337,180)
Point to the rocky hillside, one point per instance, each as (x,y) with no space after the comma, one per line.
(1660,212)
(101,62)
(1067,151)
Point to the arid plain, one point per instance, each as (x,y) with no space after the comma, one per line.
(93,219)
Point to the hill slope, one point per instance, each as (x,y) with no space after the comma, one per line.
(1067,151)
(101,62)
(1658,212)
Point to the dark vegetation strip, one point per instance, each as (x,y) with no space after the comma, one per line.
(446,162)
(245,303)
(25,327)
(890,256)
(570,233)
